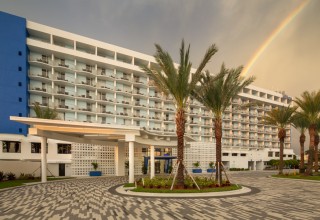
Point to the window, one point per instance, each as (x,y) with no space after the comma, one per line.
(20,130)
(284,155)
(20,68)
(20,114)
(225,154)
(270,154)
(20,53)
(20,84)
(11,147)
(64,148)
(36,148)
(234,154)
(20,99)
(289,155)
(277,154)
(243,155)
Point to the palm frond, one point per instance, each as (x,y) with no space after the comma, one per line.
(280,116)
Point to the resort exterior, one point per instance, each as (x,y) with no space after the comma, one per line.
(101,86)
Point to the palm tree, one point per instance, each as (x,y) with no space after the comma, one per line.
(216,93)
(179,82)
(280,117)
(316,149)
(46,113)
(309,103)
(301,124)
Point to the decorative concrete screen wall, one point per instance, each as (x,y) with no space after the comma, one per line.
(84,154)
(204,152)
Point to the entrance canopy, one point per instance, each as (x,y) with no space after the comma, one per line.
(94,133)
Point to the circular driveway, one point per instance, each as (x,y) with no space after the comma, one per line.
(90,198)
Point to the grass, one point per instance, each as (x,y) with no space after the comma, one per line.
(129,185)
(298,176)
(215,189)
(13,183)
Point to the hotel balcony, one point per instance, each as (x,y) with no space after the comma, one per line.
(124,102)
(155,97)
(40,90)
(139,105)
(86,84)
(124,114)
(63,93)
(40,61)
(169,130)
(42,104)
(62,66)
(168,109)
(104,111)
(86,70)
(139,94)
(88,109)
(103,74)
(137,81)
(124,92)
(63,80)
(65,107)
(102,99)
(41,76)
(104,87)
(169,120)
(155,117)
(86,97)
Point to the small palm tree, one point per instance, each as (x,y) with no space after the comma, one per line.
(45,113)
(280,117)
(301,124)
(316,149)
(309,105)
(179,82)
(216,93)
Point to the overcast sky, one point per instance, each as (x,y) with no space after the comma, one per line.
(290,63)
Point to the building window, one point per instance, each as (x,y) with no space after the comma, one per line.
(20,53)
(64,148)
(20,68)
(234,154)
(289,155)
(20,130)
(20,84)
(20,99)
(243,155)
(270,154)
(225,154)
(20,114)
(36,148)
(277,154)
(11,147)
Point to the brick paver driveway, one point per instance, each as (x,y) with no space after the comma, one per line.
(91,199)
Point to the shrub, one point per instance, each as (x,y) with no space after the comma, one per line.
(2,176)
(196,164)
(26,176)
(11,176)
(95,165)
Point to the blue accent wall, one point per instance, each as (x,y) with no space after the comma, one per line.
(13,73)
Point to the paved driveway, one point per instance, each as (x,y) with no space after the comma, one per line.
(91,199)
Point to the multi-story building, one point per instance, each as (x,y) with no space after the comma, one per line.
(91,81)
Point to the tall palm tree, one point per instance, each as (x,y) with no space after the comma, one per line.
(216,93)
(309,105)
(301,124)
(280,117)
(46,113)
(316,149)
(179,82)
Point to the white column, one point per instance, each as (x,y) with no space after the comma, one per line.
(119,160)
(254,165)
(43,159)
(152,162)
(131,162)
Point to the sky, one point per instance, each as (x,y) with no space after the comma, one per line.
(290,62)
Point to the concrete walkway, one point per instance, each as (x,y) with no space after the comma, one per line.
(91,199)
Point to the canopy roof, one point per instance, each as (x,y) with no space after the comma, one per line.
(94,133)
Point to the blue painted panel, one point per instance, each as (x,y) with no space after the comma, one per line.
(13,73)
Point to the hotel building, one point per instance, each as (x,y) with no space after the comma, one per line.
(94,82)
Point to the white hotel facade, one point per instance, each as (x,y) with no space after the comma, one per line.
(94,82)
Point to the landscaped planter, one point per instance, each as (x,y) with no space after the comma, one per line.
(196,170)
(95,173)
(211,170)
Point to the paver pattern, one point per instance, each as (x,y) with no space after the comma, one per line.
(90,199)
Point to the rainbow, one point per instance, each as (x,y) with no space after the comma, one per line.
(272,36)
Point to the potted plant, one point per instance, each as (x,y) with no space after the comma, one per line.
(211,167)
(95,172)
(197,168)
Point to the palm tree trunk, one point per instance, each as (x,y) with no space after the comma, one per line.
(316,143)
(180,122)
(302,140)
(218,135)
(312,133)
(281,135)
